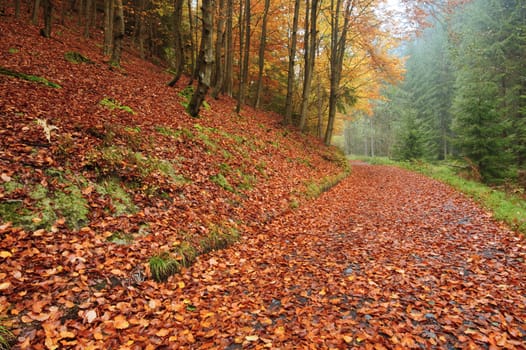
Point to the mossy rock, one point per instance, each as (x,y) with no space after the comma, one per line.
(76,58)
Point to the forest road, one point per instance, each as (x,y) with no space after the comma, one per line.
(386,259)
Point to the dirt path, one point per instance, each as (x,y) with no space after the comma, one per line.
(386,259)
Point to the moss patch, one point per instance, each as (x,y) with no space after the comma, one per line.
(76,57)
(28,77)
(112,104)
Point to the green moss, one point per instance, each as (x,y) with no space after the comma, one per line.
(13,50)
(75,58)
(121,238)
(166,131)
(112,104)
(28,77)
(14,212)
(72,206)
(120,199)
(221,181)
(12,186)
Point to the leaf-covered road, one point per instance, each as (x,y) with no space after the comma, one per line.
(387,259)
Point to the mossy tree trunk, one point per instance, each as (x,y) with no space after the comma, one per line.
(178,42)
(108,27)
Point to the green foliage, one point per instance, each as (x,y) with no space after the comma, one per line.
(219,237)
(124,163)
(121,238)
(76,57)
(221,181)
(49,205)
(163,266)
(112,104)
(28,77)
(7,338)
(13,50)
(166,131)
(120,200)
(185,253)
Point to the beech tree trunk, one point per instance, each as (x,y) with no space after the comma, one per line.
(48,16)
(229,59)
(261,61)
(36,10)
(292,55)
(118,34)
(220,35)
(337,52)
(108,27)
(88,18)
(192,42)
(244,51)
(17,8)
(310,56)
(178,42)
(206,61)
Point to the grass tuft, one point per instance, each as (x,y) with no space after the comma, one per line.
(163,266)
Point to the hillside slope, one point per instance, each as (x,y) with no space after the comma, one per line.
(102,169)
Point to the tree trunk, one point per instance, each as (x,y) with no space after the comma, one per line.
(88,18)
(319,129)
(17,8)
(36,10)
(292,55)
(178,42)
(261,62)
(192,42)
(310,56)
(206,58)
(220,35)
(48,16)
(229,59)
(118,34)
(198,48)
(338,42)
(244,49)
(108,27)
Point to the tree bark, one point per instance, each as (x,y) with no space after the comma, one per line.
(310,56)
(244,51)
(261,62)
(338,42)
(220,35)
(192,42)
(48,16)
(88,18)
(108,26)
(36,10)
(17,8)
(229,59)
(206,58)
(178,42)
(118,34)
(292,56)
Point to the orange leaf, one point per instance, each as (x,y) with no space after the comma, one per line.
(120,322)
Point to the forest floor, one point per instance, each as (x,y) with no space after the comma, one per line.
(385,259)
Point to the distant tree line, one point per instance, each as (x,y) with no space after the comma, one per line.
(464,94)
